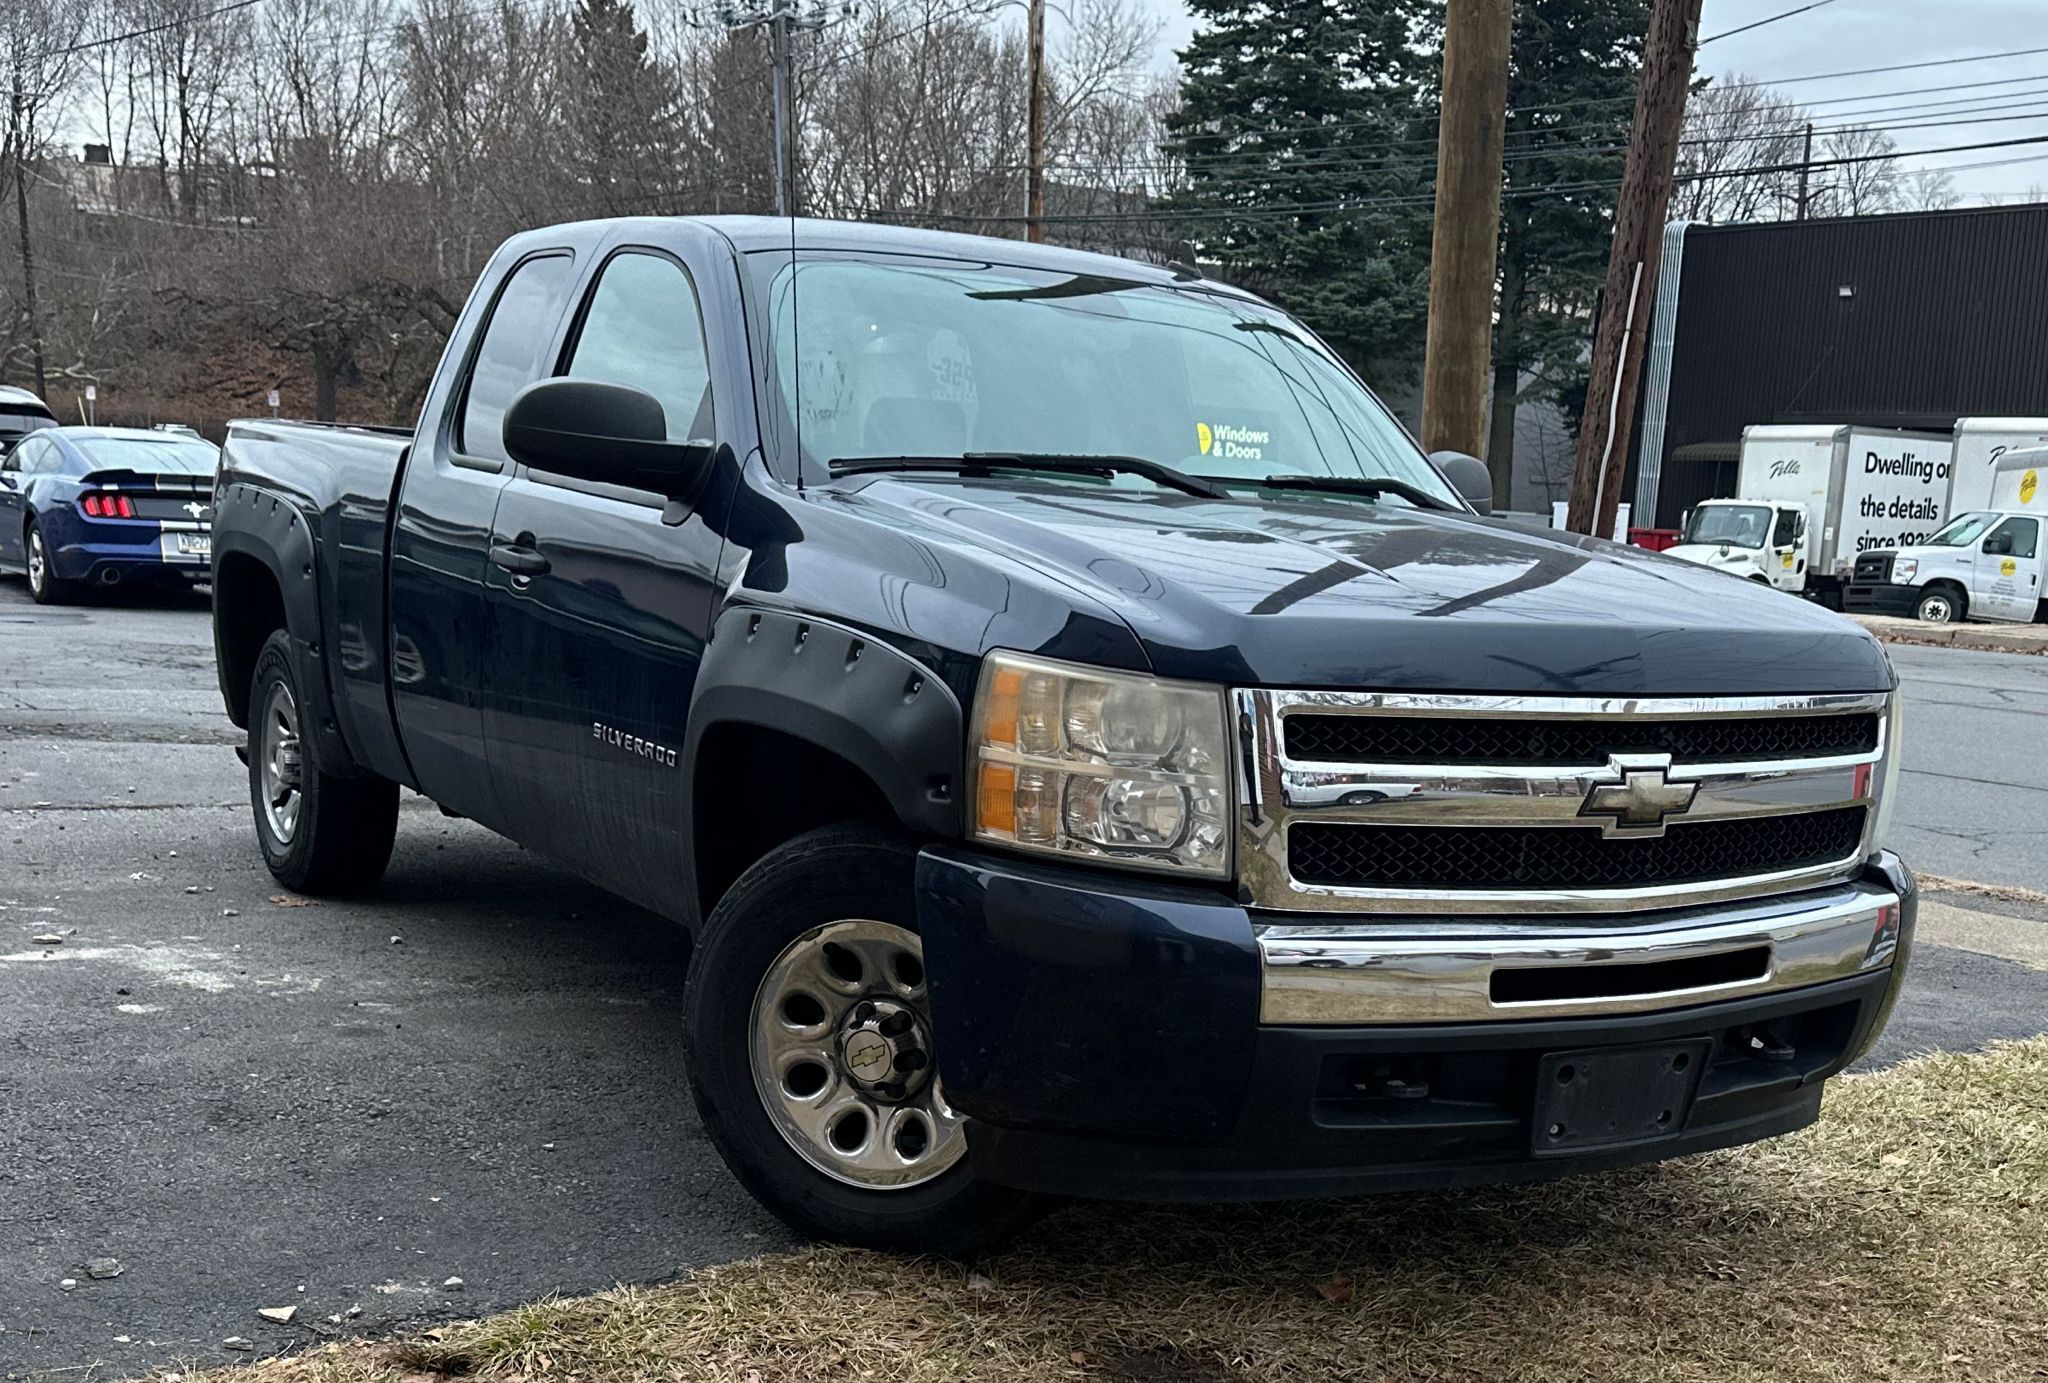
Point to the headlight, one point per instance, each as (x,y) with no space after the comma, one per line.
(1112,766)
(1888,784)
(1905,569)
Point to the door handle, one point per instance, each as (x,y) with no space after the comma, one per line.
(520,561)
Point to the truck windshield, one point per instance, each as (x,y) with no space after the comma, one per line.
(938,358)
(1730,525)
(1962,530)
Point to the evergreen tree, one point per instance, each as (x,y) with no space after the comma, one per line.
(1305,128)
(624,116)
(1571,102)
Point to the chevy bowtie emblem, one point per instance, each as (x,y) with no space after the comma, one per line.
(1640,798)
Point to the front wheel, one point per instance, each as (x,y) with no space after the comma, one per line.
(812,1059)
(1938,605)
(44,585)
(320,832)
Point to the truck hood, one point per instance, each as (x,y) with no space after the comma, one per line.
(1334,592)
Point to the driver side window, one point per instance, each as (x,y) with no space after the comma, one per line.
(23,457)
(643,329)
(1788,529)
(2014,538)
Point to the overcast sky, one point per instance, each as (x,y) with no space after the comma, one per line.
(1842,35)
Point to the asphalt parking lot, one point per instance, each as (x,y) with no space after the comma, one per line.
(475,1074)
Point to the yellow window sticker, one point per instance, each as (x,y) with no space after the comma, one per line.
(1231,441)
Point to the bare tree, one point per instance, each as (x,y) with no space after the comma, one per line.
(1867,180)
(1730,128)
(36,63)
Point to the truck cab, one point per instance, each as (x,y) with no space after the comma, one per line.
(1762,540)
(1982,564)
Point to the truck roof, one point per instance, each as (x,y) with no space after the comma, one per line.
(750,234)
(1821,432)
(2001,425)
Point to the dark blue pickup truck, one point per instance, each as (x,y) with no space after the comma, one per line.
(1093,750)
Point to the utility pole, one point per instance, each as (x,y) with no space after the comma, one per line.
(1477,38)
(1632,263)
(1034,140)
(1805,168)
(783,21)
(17,130)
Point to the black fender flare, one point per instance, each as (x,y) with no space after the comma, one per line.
(253,522)
(845,691)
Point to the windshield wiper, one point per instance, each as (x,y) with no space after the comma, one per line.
(1371,488)
(981,463)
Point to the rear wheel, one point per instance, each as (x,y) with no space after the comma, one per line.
(1939,605)
(320,832)
(44,585)
(811,1053)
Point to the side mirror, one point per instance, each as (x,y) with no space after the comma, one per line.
(612,434)
(1468,476)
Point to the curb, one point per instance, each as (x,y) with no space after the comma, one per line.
(2025,639)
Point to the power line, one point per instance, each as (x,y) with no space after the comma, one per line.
(1353,158)
(163,28)
(1758,24)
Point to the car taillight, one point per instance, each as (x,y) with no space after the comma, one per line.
(98,506)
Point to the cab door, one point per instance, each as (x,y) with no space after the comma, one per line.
(1786,561)
(440,660)
(2007,581)
(600,596)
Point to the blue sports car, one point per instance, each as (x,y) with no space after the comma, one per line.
(103,505)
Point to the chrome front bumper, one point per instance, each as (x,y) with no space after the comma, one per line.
(1393,970)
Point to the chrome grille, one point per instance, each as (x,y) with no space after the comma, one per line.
(1367,802)
(1330,852)
(1429,740)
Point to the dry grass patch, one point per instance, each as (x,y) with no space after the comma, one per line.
(1903,1238)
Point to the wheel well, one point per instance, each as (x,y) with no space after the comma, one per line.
(1955,588)
(248,605)
(756,788)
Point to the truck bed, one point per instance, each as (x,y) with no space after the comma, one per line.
(337,480)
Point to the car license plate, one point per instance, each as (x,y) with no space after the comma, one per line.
(194,544)
(1610,1097)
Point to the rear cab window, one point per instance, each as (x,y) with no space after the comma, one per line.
(511,355)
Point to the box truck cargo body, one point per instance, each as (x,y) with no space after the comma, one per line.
(1982,564)
(1980,442)
(1810,498)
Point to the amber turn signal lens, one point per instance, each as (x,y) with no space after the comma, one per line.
(996,802)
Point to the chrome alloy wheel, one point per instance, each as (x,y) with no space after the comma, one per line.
(842,1057)
(38,564)
(278,758)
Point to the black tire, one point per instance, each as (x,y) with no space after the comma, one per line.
(45,587)
(819,879)
(342,828)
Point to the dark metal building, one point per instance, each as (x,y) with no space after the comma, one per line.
(1907,321)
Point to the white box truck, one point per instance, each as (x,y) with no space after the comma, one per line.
(1809,498)
(1984,563)
(1980,442)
